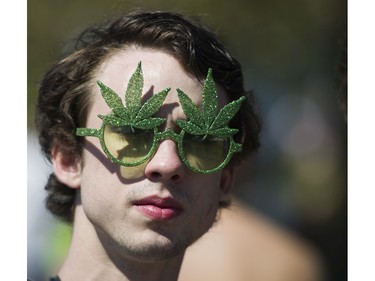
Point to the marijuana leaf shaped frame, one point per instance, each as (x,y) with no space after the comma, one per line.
(207,121)
(133,114)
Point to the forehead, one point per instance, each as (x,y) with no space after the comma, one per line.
(160,71)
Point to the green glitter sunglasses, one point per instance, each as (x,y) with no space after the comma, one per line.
(129,135)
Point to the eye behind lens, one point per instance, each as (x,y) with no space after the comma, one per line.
(127,144)
(204,153)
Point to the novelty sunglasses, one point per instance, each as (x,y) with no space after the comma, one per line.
(129,135)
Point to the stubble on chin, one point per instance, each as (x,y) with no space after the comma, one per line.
(154,250)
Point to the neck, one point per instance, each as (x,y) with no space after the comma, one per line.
(89,258)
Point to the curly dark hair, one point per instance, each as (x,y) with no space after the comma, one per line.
(64,93)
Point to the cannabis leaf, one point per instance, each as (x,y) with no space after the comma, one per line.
(134,114)
(207,120)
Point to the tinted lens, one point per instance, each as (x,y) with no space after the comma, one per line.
(128,145)
(204,154)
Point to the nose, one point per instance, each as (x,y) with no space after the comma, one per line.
(165,165)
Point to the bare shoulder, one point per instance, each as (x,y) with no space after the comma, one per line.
(244,245)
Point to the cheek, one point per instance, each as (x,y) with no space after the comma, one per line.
(212,207)
(207,188)
(94,200)
(208,196)
(96,189)
(205,216)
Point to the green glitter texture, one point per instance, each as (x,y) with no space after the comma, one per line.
(207,121)
(134,114)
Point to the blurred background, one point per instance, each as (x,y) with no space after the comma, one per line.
(290,51)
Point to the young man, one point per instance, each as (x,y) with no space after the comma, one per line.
(143,123)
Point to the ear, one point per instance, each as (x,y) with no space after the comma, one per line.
(226,183)
(67,168)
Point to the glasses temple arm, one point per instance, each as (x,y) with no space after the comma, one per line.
(87,132)
(237,147)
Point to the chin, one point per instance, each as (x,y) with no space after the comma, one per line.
(158,250)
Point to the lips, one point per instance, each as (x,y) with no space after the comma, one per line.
(158,208)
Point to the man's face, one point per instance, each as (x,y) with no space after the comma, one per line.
(166,208)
